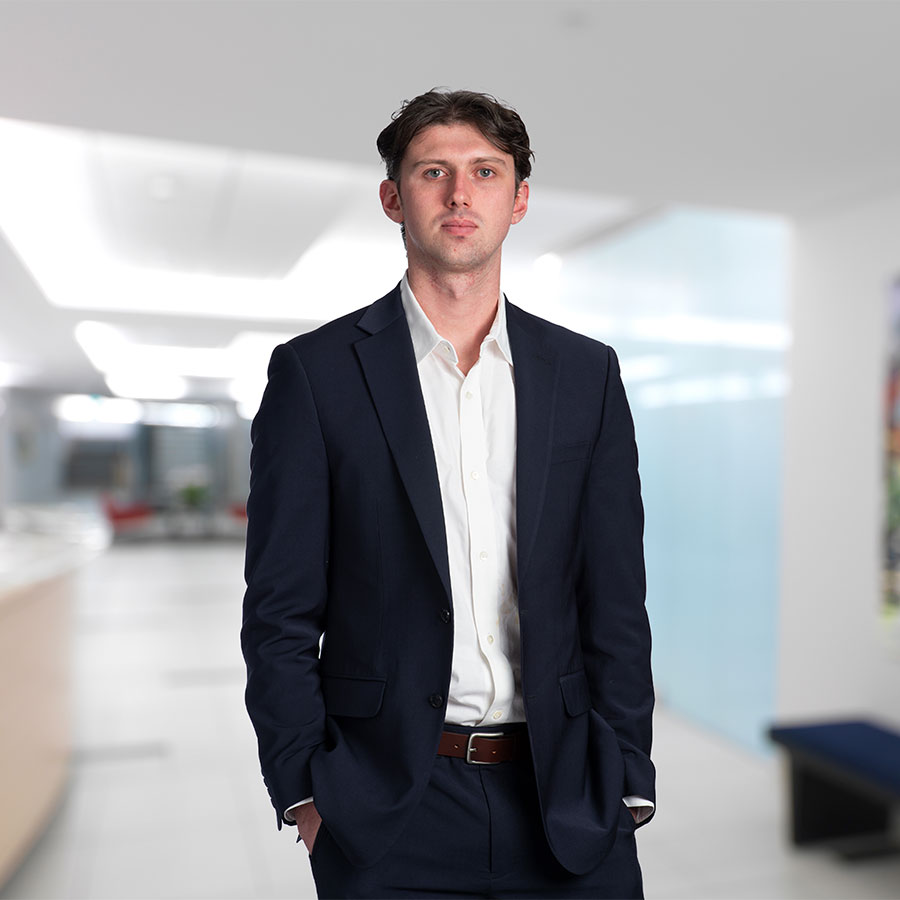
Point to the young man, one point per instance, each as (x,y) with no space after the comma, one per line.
(447,488)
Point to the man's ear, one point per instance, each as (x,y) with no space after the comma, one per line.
(520,203)
(389,192)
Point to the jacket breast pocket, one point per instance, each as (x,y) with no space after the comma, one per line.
(351,696)
(575,692)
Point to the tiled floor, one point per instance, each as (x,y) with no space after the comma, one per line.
(166,800)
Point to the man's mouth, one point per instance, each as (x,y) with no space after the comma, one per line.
(459,226)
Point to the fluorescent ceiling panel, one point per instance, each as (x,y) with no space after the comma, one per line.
(109,223)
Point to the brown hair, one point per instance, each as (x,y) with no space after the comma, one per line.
(500,124)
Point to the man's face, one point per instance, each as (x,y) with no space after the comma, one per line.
(456,196)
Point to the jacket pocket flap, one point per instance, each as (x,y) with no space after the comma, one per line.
(576,695)
(570,452)
(349,696)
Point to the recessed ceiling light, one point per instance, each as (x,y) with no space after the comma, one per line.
(146,385)
(107,410)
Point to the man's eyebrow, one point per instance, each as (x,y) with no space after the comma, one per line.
(494,160)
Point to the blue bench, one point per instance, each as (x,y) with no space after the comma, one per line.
(844,783)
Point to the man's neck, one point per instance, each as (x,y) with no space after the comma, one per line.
(461,307)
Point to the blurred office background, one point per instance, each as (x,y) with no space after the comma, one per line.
(716,193)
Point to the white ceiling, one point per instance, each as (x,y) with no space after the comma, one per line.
(785,107)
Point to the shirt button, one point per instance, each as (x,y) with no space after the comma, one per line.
(468,395)
(445,615)
(497,715)
(436,700)
(490,639)
(475,475)
(483,554)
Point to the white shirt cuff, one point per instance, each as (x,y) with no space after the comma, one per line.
(644,807)
(287,813)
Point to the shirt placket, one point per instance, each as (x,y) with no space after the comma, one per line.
(482,541)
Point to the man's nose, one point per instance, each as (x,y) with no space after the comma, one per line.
(459,195)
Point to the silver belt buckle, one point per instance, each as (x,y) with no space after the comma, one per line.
(470,749)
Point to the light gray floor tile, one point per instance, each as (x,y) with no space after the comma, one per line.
(166,799)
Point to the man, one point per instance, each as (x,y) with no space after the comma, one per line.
(446,487)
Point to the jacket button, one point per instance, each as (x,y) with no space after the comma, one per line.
(436,700)
(445,615)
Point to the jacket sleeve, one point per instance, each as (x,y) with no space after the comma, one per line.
(286,574)
(615,631)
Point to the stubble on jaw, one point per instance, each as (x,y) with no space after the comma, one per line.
(463,259)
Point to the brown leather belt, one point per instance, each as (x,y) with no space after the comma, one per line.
(483,747)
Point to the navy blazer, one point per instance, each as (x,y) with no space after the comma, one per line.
(346,538)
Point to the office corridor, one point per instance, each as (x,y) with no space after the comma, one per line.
(166,801)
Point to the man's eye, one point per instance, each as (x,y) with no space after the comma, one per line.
(433,173)
(485,172)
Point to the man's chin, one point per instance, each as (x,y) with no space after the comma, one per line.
(454,260)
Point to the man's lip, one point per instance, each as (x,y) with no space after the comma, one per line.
(461,224)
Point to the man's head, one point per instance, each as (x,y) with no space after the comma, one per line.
(459,154)
(499,124)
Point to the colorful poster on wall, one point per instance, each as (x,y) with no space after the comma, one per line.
(891,601)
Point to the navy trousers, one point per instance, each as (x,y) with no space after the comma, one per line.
(477,833)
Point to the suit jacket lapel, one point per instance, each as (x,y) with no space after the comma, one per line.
(536,368)
(389,365)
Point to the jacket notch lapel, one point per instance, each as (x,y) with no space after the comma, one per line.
(389,366)
(536,368)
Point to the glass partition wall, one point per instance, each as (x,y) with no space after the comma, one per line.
(695,304)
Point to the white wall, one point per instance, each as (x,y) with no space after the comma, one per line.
(834,655)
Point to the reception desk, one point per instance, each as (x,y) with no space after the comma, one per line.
(37,575)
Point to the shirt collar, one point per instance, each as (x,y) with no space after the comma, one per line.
(425,337)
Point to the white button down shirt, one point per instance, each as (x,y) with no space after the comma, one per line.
(473,429)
